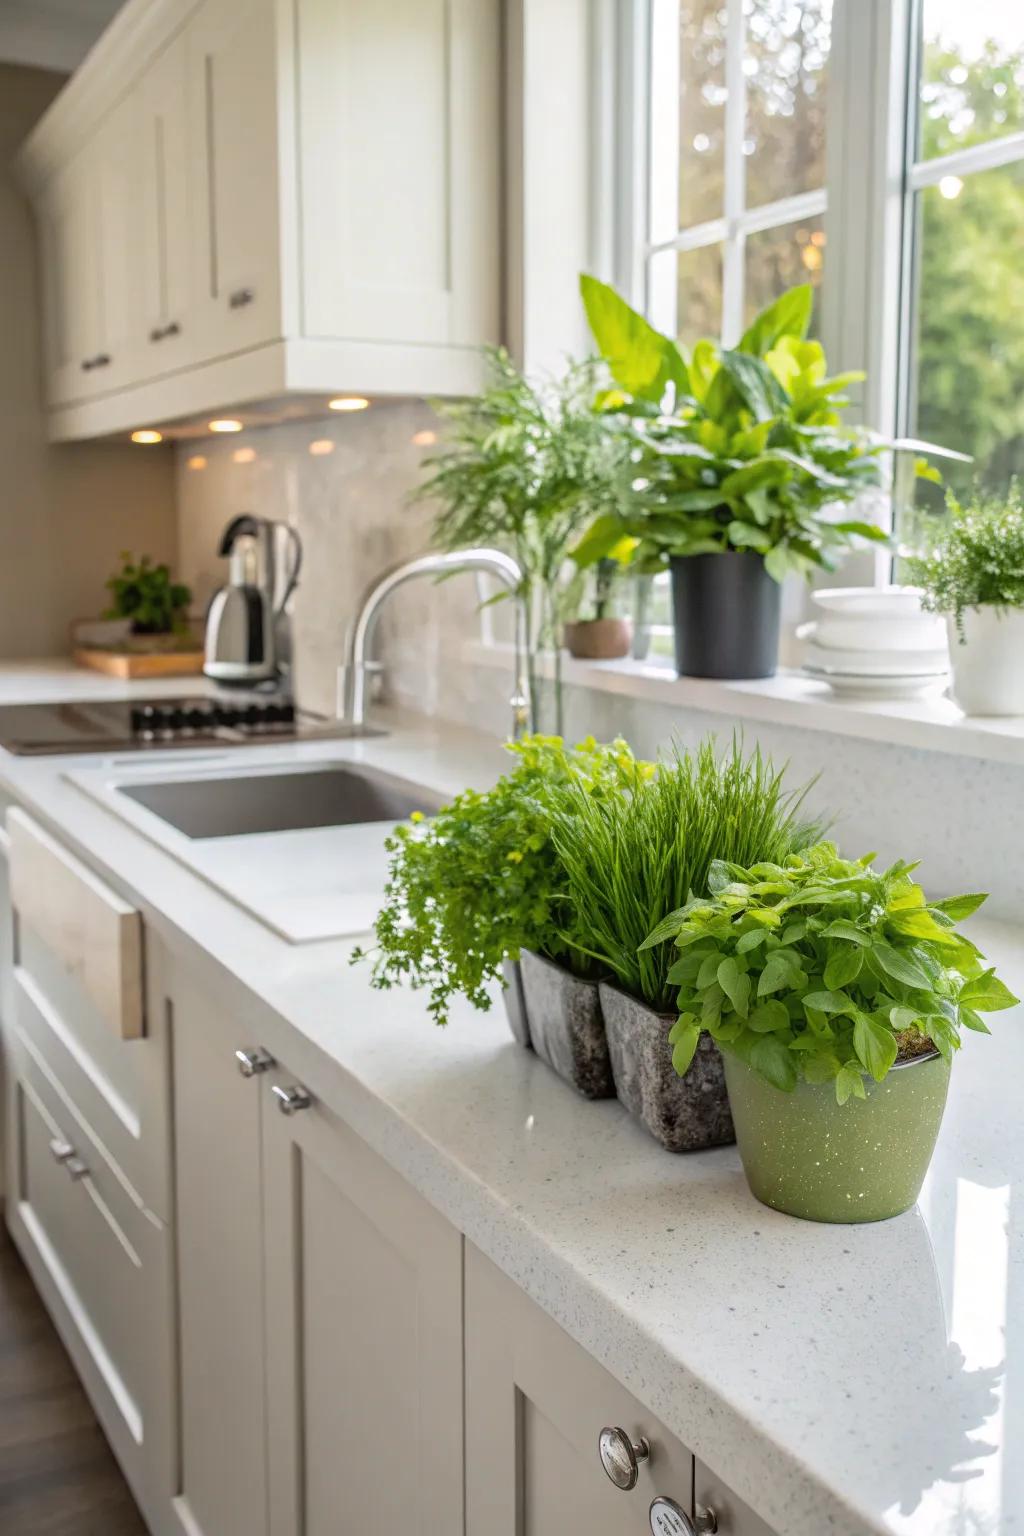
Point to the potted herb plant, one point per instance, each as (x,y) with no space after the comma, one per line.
(147,596)
(480,885)
(838,995)
(739,463)
(631,859)
(974,575)
(526,465)
(603,634)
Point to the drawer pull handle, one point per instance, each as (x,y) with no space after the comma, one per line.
(291,1100)
(61,1150)
(669,1519)
(240,298)
(101,360)
(251,1062)
(159,332)
(75,1169)
(622,1457)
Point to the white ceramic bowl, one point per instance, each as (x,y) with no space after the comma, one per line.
(929,661)
(925,631)
(875,602)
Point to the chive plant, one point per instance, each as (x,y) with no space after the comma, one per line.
(631,859)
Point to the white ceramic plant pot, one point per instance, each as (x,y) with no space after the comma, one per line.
(988,669)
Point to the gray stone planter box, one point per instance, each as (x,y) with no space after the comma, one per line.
(515,1003)
(566,1027)
(683,1113)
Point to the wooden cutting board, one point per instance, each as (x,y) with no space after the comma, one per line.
(139,664)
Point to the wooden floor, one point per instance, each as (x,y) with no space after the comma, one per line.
(57,1474)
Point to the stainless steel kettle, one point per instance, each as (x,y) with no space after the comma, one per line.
(248,625)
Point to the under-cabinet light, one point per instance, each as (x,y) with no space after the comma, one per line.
(348,403)
(147,435)
(225,424)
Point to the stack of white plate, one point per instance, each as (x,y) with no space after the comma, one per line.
(875,641)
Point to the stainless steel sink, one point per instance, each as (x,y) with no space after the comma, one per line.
(332,795)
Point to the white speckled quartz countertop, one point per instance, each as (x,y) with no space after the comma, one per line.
(843,1380)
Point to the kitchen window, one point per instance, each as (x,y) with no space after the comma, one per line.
(872,147)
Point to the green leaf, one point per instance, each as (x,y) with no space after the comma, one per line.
(605,539)
(640,358)
(904,1018)
(772,1058)
(735,984)
(974,1020)
(683,1048)
(666,929)
(849,1081)
(864,530)
(843,966)
(841,928)
(750,940)
(898,965)
(769,1016)
(987,994)
(875,1045)
(756,385)
(959,907)
(778,972)
(789,315)
(828,1002)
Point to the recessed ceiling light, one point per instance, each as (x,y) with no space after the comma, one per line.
(225,424)
(244,455)
(320,447)
(348,403)
(197,461)
(147,435)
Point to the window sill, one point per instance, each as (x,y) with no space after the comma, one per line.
(932,724)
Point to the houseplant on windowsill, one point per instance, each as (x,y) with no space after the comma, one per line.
(838,996)
(596,632)
(526,465)
(974,575)
(739,463)
(631,859)
(480,885)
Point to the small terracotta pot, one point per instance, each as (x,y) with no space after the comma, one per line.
(683,1113)
(566,1028)
(599,639)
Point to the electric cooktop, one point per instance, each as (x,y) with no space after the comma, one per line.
(130,725)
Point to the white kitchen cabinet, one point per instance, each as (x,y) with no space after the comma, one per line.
(536,1404)
(320,1313)
(364,1336)
(244,199)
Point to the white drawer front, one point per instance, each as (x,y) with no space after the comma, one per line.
(94,934)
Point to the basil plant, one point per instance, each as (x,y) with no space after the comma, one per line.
(734,448)
(822,970)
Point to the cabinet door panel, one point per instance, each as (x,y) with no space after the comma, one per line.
(364,1319)
(116,172)
(535,1405)
(233,116)
(220,1291)
(168,324)
(399,148)
(734,1517)
(71,281)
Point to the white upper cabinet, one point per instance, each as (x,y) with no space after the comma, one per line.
(244,198)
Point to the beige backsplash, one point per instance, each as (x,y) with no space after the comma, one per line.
(351,507)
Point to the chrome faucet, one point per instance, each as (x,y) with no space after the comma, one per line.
(495,563)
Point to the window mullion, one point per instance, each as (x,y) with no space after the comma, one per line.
(735,172)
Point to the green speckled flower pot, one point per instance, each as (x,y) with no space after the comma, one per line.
(864,1160)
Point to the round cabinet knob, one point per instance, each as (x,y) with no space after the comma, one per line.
(670,1519)
(291,1100)
(622,1457)
(252,1062)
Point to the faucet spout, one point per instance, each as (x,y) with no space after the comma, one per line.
(495,563)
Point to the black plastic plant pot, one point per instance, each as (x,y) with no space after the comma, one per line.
(566,1027)
(727,610)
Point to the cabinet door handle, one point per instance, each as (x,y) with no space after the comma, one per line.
(669,1519)
(291,1100)
(159,332)
(101,360)
(75,1169)
(240,298)
(251,1062)
(622,1457)
(61,1150)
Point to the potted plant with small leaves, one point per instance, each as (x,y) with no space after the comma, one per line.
(475,896)
(145,629)
(598,632)
(629,859)
(740,463)
(838,995)
(974,576)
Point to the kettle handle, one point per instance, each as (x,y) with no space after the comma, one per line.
(293,575)
(237,526)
